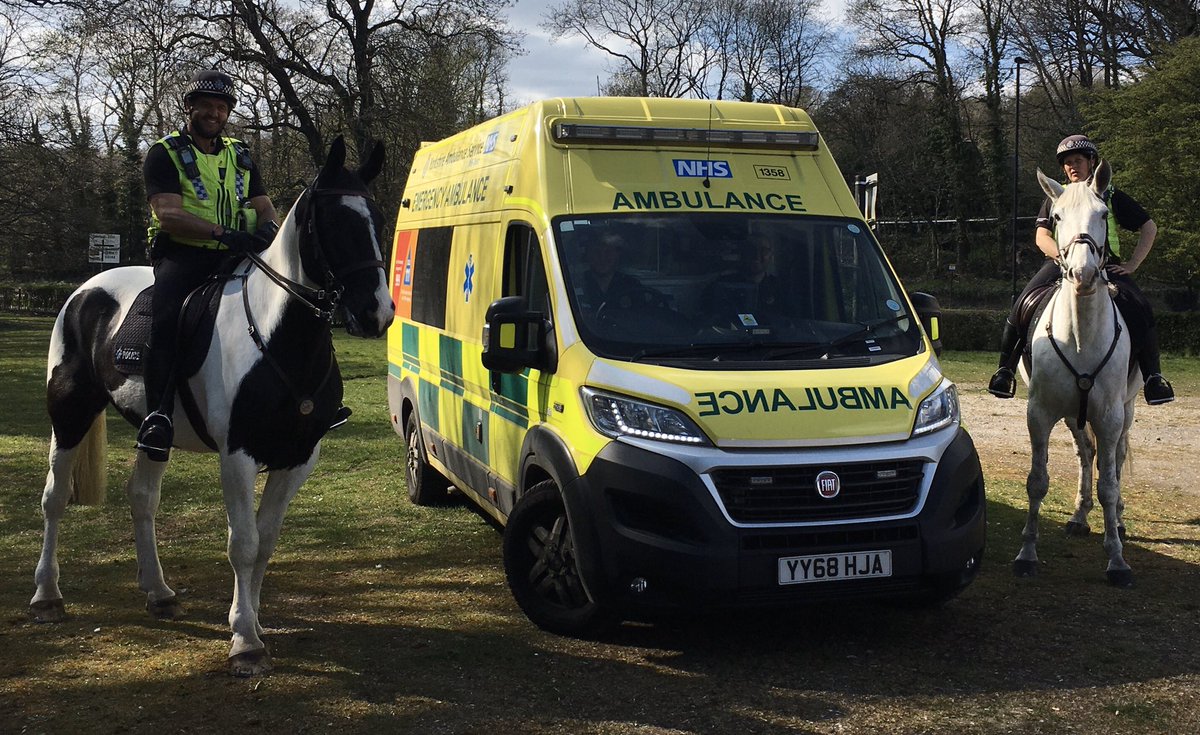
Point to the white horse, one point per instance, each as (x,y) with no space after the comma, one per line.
(263,395)
(1081,374)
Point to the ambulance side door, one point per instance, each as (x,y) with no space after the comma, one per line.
(512,409)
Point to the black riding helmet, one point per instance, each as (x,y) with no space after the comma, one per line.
(212,83)
(1077,144)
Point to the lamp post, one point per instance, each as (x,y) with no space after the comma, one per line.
(1016,172)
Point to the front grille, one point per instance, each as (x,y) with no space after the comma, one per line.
(789,494)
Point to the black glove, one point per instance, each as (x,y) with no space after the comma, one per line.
(266,231)
(241,242)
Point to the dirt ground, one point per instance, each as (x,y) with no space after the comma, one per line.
(1165,441)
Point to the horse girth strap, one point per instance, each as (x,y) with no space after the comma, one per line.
(1085,381)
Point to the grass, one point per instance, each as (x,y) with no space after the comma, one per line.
(387,617)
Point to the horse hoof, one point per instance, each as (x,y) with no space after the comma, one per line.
(1025,568)
(1122,578)
(1075,528)
(167,608)
(48,611)
(255,662)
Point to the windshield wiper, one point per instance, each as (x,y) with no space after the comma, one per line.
(696,348)
(825,347)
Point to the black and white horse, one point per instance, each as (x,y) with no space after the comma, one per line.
(262,390)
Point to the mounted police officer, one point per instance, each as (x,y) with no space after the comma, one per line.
(208,201)
(1078,156)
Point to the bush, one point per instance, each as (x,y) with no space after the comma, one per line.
(35,298)
(972,329)
(979,329)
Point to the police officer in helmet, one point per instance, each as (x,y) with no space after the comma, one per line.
(1079,156)
(207,201)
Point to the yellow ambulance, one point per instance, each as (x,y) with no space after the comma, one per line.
(656,341)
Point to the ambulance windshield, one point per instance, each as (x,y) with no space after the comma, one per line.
(705,289)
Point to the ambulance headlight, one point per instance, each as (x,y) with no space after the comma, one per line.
(938,410)
(618,416)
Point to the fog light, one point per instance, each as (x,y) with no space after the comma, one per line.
(639,585)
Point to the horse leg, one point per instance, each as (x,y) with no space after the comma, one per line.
(1108,489)
(1036,486)
(47,603)
(143,491)
(248,654)
(1085,449)
(280,489)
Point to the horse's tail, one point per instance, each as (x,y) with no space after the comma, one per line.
(89,475)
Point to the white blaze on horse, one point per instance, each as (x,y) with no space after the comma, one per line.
(1081,374)
(262,388)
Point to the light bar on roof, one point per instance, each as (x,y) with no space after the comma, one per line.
(581,132)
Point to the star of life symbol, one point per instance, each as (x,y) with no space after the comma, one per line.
(469,271)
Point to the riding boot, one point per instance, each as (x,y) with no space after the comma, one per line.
(1004,382)
(1157,389)
(157,434)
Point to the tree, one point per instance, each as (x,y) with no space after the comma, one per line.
(1147,130)
(656,43)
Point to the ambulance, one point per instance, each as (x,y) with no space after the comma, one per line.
(656,342)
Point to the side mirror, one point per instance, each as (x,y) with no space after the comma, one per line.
(515,338)
(930,313)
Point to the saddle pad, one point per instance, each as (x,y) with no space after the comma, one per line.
(133,336)
(196,322)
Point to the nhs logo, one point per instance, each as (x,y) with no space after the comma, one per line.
(697,169)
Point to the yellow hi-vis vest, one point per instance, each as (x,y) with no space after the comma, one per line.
(214,187)
(1114,237)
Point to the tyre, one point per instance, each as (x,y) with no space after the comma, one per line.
(542,570)
(426,486)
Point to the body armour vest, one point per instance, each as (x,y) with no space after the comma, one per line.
(214,187)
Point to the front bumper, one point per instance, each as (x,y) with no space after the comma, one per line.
(653,536)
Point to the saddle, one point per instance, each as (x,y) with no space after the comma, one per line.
(197,319)
(1029,313)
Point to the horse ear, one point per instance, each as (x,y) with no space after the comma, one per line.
(369,170)
(335,159)
(1102,178)
(1052,188)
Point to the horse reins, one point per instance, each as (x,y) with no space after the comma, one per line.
(1084,381)
(322,301)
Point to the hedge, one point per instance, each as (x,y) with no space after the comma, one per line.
(979,329)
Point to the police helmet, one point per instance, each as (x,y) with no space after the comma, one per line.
(1077,144)
(212,83)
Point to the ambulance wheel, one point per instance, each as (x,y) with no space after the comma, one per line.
(426,486)
(542,570)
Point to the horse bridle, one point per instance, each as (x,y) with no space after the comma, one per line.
(322,301)
(1084,381)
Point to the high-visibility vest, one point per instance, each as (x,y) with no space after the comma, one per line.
(214,187)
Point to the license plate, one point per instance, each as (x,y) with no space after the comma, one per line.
(835,567)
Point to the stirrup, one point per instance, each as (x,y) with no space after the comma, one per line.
(156,436)
(1158,390)
(340,418)
(1003,384)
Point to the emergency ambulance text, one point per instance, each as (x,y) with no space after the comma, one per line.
(848,397)
(467,191)
(749,201)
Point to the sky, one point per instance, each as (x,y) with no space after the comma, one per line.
(567,67)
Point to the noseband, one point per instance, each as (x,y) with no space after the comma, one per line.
(1096,248)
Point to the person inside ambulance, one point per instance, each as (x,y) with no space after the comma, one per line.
(604,284)
(207,201)
(1079,157)
(753,288)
